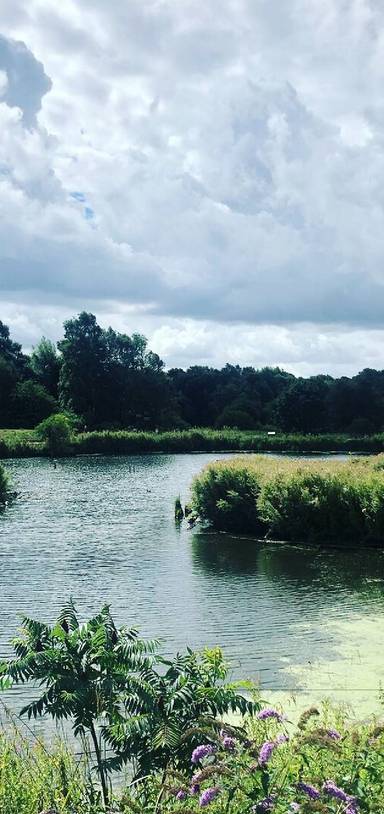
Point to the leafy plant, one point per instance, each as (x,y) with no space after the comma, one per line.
(55,431)
(185,700)
(86,671)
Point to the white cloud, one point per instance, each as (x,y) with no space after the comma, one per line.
(218,168)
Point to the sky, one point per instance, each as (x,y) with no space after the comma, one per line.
(210,174)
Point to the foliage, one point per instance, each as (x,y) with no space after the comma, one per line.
(325,764)
(113,381)
(35,777)
(55,431)
(148,709)
(46,364)
(183,702)
(84,670)
(294,500)
(323,754)
(4,485)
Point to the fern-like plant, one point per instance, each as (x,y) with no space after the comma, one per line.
(86,671)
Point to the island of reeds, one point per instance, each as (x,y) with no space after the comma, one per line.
(324,501)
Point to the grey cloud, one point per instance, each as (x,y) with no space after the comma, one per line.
(27,80)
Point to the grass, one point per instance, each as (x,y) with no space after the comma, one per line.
(26,443)
(35,777)
(324,750)
(305,501)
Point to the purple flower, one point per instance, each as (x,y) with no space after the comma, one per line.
(264,805)
(311,791)
(195,788)
(229,743)
(294,807)
(330,788)
(282,739)
(202,751)
(269,712)
(334,734)
(266,752)
(208,795)
(181,794)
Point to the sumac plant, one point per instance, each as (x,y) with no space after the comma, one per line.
(113,686)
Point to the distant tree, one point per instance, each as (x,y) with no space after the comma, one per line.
(303,407)
(31,403)
(82,384)
(45,364)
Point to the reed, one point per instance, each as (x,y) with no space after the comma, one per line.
(306,501)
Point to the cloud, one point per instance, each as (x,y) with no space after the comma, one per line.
(25,81)
(219,165)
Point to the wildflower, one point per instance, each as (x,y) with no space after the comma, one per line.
(311,791)
(334,734)
(202,751)
(330,788)
(265,753)
(208,795)
(195,788)
(264,805)
(306,715)
(282,739)
(269,712)
(181,794)
(294,807)
(229,743)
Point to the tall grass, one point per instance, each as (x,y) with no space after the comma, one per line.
(315,501)
(26,443)
(34,777)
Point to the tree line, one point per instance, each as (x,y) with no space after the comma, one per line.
(109,380)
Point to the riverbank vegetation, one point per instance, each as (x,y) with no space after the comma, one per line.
(106,380)
(4,485)
(168,721)
(58,436)
(304,501)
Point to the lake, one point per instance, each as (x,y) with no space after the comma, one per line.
(304,622)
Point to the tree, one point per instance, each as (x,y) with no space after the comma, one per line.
(31,403)
(82,383)
(45,363)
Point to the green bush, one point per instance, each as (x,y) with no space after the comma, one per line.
(55,431)
(3,485)
(314,501)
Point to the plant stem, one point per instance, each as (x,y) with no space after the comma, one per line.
(100,765)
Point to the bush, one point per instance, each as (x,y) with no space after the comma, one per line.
(314,501)
(55,431)
(3,485)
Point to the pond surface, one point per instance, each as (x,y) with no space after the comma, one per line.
(308,622)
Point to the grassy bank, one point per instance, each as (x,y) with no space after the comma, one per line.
(315,501)
(325,764)
(26,443)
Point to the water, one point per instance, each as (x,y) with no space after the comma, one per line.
(304,622)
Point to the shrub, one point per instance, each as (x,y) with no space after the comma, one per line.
(55,431)
(3,485)
(315,501)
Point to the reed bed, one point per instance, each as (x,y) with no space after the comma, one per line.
(25,443)
(305,501)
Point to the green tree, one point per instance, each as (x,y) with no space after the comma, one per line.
(82,384)
(31,403)
(56,432)
(45,364)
